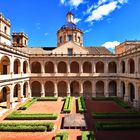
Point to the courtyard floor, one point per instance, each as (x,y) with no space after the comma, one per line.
(74,134)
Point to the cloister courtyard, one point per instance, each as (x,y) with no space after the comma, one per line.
(75,121)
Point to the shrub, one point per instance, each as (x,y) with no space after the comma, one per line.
(17,115)
(81,104)
(28,104)
(117,125)
(26,127)
(47,98)
(62,136)
(116,115)
(67,105)
(87,135)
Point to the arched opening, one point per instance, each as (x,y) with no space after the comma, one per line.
(49,67)
(25,67)
(62,67)
(87,88)
(131,91)
(100,88)
(49,88)
(5,97)
(17,93)
(36,89)
(5,29)
(122,67)
(62,89)
(17,66)
(122,89)
(87,67)
(139,66)
(5,65)
(99,67)
(74,67)
(35,67)
(74,88)
(112,88)
(131,66)
(25,90)
(112,67)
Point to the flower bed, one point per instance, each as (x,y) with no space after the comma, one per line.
(117,125)
(88,135)
(17,115)
(115,115)
(81,105)
(67,105)
(26,127)
(62,136)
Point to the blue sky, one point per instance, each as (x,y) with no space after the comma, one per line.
(105,22)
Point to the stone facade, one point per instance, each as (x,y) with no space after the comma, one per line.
(69,69)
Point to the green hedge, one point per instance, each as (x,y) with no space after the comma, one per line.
(28,104)
(81,105)
(62,136)
(67,105)
(88,135)
(17,115)
(47,98)
(26,127)
(117,125)
(116,115)
(115,99)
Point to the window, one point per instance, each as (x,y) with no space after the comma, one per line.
(70,51)
(79,39)
(25,42)
(17,40)
(69,37)
(5,30)
(61,39)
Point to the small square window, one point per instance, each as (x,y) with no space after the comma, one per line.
(70,51)
(69,37)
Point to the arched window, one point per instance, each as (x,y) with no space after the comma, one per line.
(5,30)
(61,40)
(69,37)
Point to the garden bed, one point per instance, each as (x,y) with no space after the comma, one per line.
(88,135)
(81,105)
(67,105)
(62,136)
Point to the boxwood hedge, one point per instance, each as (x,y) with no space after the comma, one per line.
(81,105)
(62,136)
(67,105)
(88,135)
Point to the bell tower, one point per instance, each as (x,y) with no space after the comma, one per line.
(70,16)
(4,30)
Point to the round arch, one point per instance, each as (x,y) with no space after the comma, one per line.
(122,67)
(25,67)
(36,89)
(87,67)
(35,67)
(17,66)
(74,67)
(49,67)
(49,88)
(25,90)
(74,88)
(131,66)
(62,67)
(112,88)
(87,88)
(17,92)
(112,67)
(62,89)
(131,91)
(100,67)
(122,89)
(5,65)
(99,88)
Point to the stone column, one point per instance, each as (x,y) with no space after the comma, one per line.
(10,97)
(68,67)
(55,67)
(81,67)
(22,87)
(126,66)
(42,68)
(21,68)
(42,89)
(106,92)
(119,94)
(68,89)
(29,90)
(106,67)
(118,67)
(93,67)
(55,89)
(126,95)
(93,89)
(136,65)
(12,66)
(81,88)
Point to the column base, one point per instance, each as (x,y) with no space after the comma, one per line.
(55,95)
(119,95)
(136,103)
(94,95)
(106,95)
(68,94)
(126,98)
(42,94)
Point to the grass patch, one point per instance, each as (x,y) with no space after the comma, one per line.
(116,115)
(18,115)
(117,125)
(81,104)
(67,105)
(62,136)
(47,98)
(26,127)
(88,135)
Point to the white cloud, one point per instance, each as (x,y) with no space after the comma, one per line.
(110,45)
(45,34)
(38,26)
(87,31)
(75,3)
(89,9)
(122,1)
(76,20)
(62,1)
(102,11)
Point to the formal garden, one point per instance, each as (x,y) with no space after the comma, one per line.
(71,118)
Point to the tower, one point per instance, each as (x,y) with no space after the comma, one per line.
(69,32)
(4,30)
(19,39)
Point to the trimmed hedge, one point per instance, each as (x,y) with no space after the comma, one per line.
(26,127)
(81,105)
(88,135)
(62,136)
(47,98)
(117,125)
(28,104)
(115,99)
(67,105)
(17,115)
(116,115)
